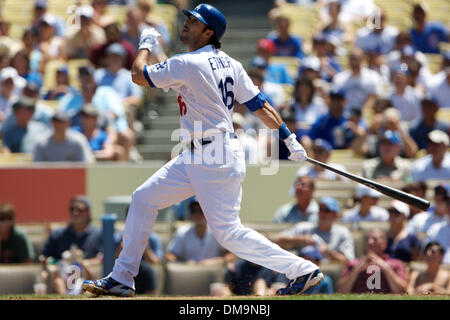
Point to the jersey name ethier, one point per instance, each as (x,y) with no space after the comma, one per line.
(219,63)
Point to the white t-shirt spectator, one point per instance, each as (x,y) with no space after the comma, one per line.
(408,104)
(384,42)
(440,90)
(423,221)
(423,169)
(357,89)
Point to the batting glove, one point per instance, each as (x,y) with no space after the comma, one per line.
(149,39)
(298,154)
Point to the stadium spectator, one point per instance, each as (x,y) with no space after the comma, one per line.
(286,44)
(312,254)
(420,128)
(426,35)
(337,128)
(367,144)
(360,84)
(40,9)
(310,69)
(11,86)
(376,272)
(62,85)
(78,235)
(81,39)
(99,141)
(440,232)
(305,208)
(375,61)
(401,244)
(22,134)
(440,83)
(379,37)
(21,62)
(147,7)
(246,278)
(194,243)
(117,77)
(336,26)
(131,29)
(62,143)
(307,105)
(28,45)
(366,208)
(15,247)
(433,280)
(436,214)
(334,241)
(100,17)
(388,165)
(404,97)
(321,151)
(112,34)
(418,189)
(436,164)
(50,45)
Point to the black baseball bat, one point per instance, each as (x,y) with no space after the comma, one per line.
(390,192)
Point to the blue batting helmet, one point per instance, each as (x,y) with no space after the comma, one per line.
(210,16)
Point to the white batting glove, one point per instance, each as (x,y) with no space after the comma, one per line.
(298,154)
(149,38)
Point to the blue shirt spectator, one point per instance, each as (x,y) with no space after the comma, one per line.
(286,44)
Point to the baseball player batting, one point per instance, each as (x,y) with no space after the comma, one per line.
(207,81)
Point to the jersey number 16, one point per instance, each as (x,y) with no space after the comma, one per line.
(227,94)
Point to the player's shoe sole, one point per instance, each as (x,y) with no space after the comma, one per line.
(301,284)
(107,286)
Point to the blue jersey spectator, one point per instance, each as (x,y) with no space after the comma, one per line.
(426,35)
(286,44)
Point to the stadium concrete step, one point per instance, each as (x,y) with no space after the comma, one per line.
(157,136)
(156,151)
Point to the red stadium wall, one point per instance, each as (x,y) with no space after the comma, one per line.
(41,194)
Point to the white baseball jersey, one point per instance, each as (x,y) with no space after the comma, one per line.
(207,82)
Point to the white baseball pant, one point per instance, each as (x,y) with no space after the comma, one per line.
(219,192)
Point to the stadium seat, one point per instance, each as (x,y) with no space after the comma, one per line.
(191,280)
(15,158)
(18,278)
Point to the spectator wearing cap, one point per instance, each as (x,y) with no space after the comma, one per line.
(119,78)
(99,141)
(335,127)
(404,97)
(51,46)
(194,243)
(321,151)
(81,38)
(308,106)
(380,37)
(62,86)
(401,244)
(79,234)
(360,84)
(437,213)
(388,165)
(40,9)
(15,247)
(313,254)
(62,143)
(22,134)
(420,128)
(433,280)
(286,44)
(366,208)
(113,35)
(436,164)
(426,35)
(440,83)
(357,274)
(304,208)
(334,241)
(11,86)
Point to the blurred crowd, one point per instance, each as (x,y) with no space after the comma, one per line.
(66,92)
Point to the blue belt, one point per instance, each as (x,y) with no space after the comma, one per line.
(208,140)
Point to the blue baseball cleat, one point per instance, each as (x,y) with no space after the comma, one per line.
(301,284)
(107,286)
